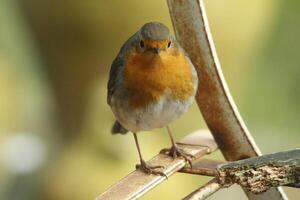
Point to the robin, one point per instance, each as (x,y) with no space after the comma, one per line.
(151,83)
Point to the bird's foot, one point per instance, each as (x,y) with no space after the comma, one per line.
(176,152)
(148,169)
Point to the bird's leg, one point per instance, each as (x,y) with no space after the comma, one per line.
(175,151)
(143,165)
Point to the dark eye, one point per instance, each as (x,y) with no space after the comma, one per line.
(142,45)
(169,44)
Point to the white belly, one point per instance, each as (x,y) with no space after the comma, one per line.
(153,116)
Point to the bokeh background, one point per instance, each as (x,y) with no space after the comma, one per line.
(55,55)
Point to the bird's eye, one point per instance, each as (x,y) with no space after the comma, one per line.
(142,45)
(169,44)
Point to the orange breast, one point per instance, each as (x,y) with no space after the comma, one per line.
(147,76)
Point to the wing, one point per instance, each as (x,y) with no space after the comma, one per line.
(116,67)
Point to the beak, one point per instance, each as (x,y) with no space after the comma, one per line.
(156,50)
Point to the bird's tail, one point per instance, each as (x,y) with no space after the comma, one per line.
(118,128)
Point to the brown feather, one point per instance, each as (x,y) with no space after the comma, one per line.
(147,76)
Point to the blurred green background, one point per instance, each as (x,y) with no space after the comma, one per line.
(55,140)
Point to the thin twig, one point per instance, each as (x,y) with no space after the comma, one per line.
(204,191)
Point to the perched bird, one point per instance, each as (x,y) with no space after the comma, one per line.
(151,83)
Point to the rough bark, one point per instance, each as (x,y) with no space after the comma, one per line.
(261,173)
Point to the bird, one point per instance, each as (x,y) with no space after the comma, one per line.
(152,82)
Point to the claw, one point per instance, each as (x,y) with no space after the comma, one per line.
(151,169)
(175,152)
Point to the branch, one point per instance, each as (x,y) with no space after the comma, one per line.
(256,175)
(138,183)
(261,173)
(205,191)
(203,167)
